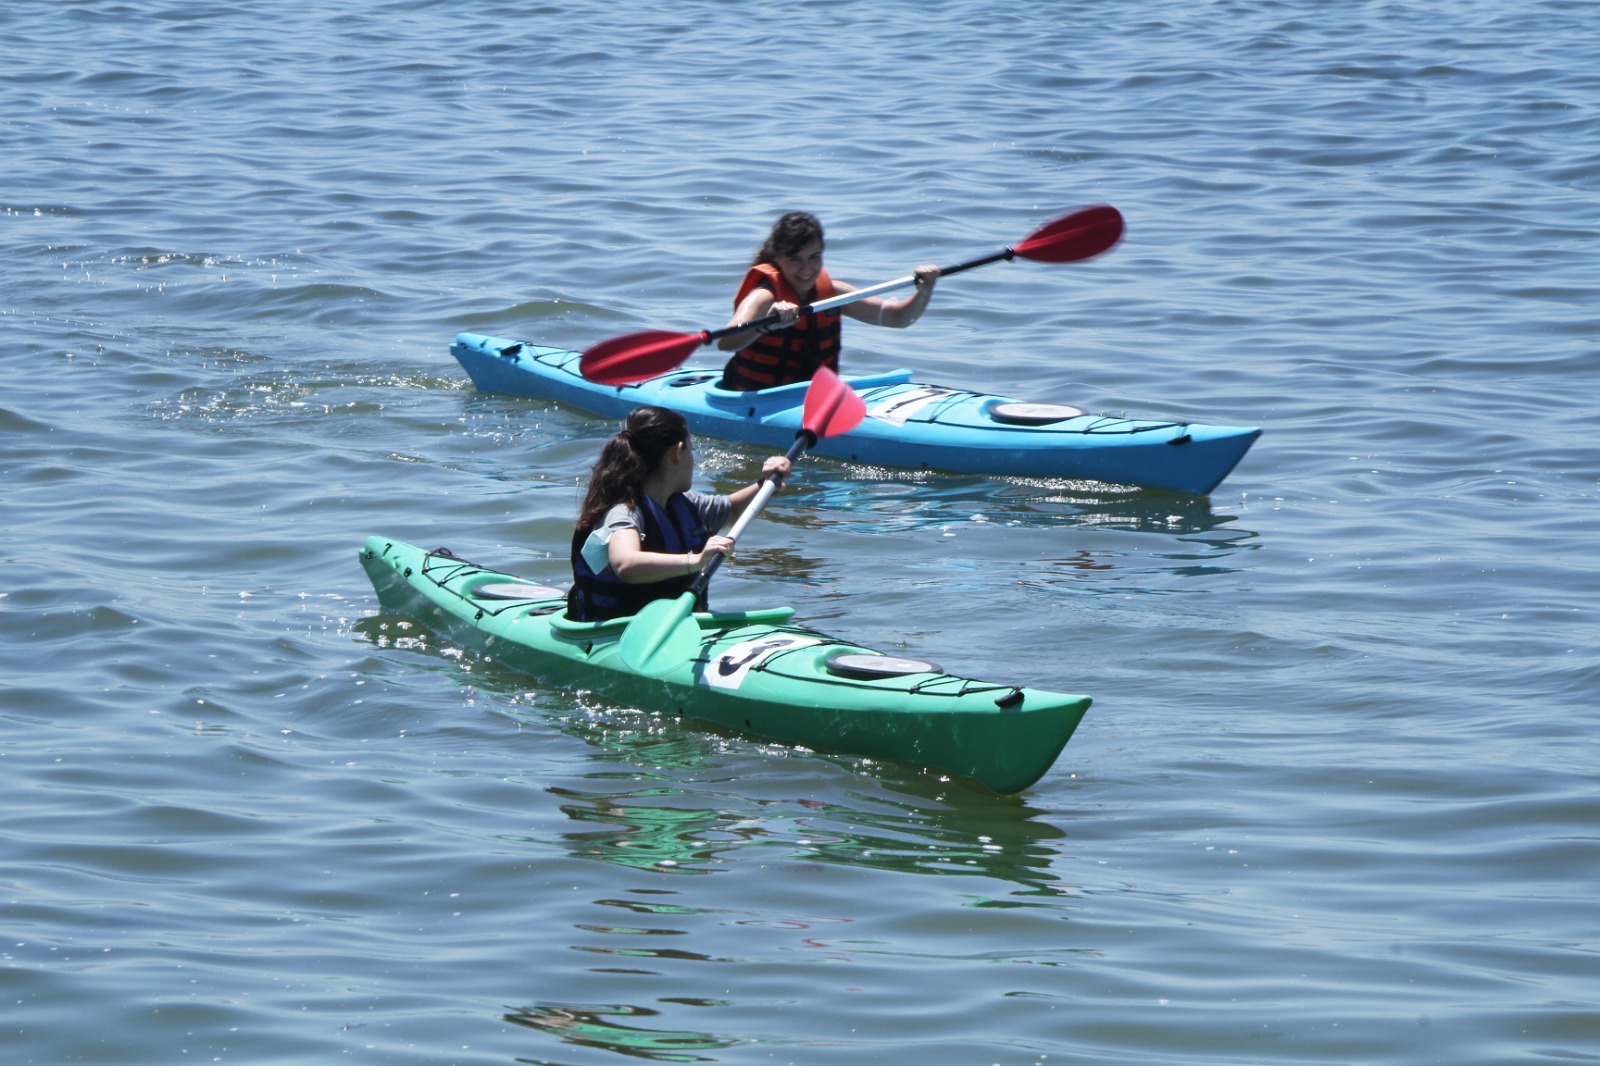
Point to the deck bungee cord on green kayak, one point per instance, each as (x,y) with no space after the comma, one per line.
(754,672)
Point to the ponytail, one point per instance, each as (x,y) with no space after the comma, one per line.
(628,459)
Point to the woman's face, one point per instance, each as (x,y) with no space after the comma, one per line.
(801,268)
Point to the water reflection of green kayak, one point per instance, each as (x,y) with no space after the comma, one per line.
(755,672)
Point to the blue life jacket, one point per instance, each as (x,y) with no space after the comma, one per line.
(675,530)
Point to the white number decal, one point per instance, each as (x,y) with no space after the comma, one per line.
(729,669)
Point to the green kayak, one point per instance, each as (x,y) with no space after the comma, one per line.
(755,672)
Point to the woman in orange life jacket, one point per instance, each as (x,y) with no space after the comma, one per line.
(641,535)
(786,274)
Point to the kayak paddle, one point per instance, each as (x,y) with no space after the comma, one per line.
(664,633)
(634,357)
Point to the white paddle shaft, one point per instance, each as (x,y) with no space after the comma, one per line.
(861,294)
(802,441)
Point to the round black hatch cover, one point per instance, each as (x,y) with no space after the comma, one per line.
(1033,414)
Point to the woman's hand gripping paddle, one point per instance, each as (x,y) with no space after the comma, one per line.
(634,357)
(665,635)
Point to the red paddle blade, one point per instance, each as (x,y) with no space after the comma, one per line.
(832,407)
(630,359)
(1084,233)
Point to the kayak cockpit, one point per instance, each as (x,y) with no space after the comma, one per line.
(611,628)
(761,403)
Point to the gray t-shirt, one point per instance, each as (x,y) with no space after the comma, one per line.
(712,509)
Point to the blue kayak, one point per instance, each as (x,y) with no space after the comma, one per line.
(909,424)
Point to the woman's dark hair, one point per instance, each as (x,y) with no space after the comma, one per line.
(628,458)
(789,234)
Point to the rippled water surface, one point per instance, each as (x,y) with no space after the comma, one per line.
(1335,801)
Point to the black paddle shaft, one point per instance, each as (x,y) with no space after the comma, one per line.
(1008,254)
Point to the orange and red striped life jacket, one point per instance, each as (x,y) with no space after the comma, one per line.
(790,354)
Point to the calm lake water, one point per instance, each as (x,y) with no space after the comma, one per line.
(1336,801)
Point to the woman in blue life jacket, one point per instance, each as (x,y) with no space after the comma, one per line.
(787,274)
(641,534)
